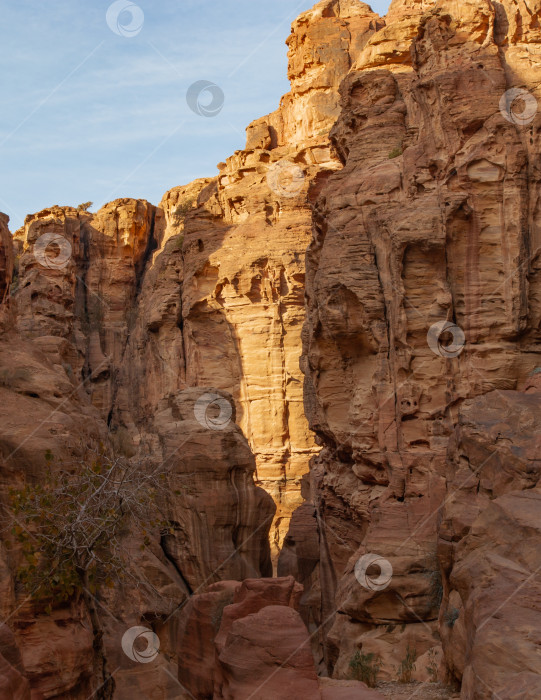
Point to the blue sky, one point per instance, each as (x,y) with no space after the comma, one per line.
(88,114)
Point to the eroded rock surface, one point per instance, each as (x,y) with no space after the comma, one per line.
(252,642)
(174,332)
(434,217)
(243,249)
(488,544)
(71,329)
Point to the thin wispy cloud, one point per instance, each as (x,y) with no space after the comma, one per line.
(70,137)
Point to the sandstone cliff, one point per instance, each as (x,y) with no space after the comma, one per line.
(403,470)
(433,218)
(244,246)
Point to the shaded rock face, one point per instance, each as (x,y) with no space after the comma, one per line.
(433,218)
(75,334)
(489,618)
(13,683)
(248,640)
(116,316)
(6,256)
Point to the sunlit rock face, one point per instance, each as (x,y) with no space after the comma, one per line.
(244,248)
(116,316)
(433,218)
(396,474)
(91,354)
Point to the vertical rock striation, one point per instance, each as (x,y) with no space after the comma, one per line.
(174,333)
(433,218)
(244,246)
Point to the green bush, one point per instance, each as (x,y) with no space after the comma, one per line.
(180,211)
(365,667)
(451,616)
(407,665)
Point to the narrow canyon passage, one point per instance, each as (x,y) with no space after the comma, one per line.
(332,351)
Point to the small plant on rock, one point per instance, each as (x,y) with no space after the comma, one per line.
(70,526)
(395,152)
(451,616)
(365,667)
(432,668)
(407,665)
(182,208)
(85,206)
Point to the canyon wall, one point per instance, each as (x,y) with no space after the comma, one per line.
(305,404)
(69,326)
(433,219)
(244,246)
(120,323)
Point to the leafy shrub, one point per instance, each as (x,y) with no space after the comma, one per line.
(69,524)
(180,211)
(395,152)
(365,667)
(70,528)
(407,665)
(85,206)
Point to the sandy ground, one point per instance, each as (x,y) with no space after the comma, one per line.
(417,691)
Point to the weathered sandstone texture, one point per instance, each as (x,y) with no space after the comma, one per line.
(173,333)
(489,546)
(6,256)
(244,246)
(434,217)
(72,329)
(240,641)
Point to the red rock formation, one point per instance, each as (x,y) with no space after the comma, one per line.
(6,256)
(155,330)
(13,684)
(432,218)
(489,618)
(248,640)
(243,250)
(63,361)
